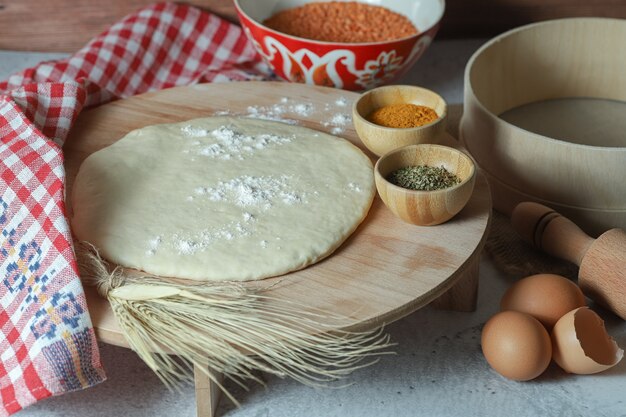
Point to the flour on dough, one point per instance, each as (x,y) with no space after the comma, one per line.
(221,198)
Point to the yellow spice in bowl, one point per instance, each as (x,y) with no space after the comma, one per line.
(403,115)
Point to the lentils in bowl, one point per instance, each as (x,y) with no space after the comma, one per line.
(345,22)
(353,54)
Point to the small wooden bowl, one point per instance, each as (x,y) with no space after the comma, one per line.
(380,139)
(425,208)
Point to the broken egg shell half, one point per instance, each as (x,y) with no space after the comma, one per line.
(581,345)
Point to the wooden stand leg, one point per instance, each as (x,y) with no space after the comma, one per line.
(207,394)
(462,296)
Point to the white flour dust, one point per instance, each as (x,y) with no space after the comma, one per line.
(341,102)
(190,244)
(254,194)
(153,245)
(338,123)
(229,143)
(194,132)
(354,187)
(257,192)
(330,113)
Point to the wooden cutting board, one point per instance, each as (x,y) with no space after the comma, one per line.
(384,271)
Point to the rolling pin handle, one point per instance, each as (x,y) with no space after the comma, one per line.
(547,230)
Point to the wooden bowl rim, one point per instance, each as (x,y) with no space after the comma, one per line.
(422,193)
(511,127)
(356,114)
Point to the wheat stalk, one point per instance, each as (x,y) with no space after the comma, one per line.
(226,328)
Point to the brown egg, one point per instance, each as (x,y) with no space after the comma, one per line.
(516,345)
(546,297)
(582,345)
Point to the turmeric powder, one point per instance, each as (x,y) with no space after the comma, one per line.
(403,115)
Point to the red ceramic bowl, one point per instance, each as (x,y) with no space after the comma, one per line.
(351,66)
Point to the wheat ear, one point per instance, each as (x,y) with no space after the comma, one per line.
(226,328)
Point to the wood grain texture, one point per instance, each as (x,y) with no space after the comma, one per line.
(547,230)
(384,271)
(602,274)
(592,221)
(463,296)
(66,25)
(207,392)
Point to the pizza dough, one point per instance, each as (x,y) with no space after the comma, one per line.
(221,198)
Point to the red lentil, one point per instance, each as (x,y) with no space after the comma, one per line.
(345,22)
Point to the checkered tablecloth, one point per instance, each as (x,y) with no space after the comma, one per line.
(47,343)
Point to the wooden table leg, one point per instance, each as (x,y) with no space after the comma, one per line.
(463,295)
(207,393)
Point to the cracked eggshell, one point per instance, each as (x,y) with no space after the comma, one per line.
(581,344)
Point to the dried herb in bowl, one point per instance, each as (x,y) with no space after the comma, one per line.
(423,178)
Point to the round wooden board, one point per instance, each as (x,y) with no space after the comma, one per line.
(384,271)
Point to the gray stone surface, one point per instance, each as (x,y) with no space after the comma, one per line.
(11,61)
(438,369)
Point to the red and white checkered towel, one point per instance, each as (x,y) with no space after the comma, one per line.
(47,344)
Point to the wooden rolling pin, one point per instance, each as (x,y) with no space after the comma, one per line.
(602,261)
